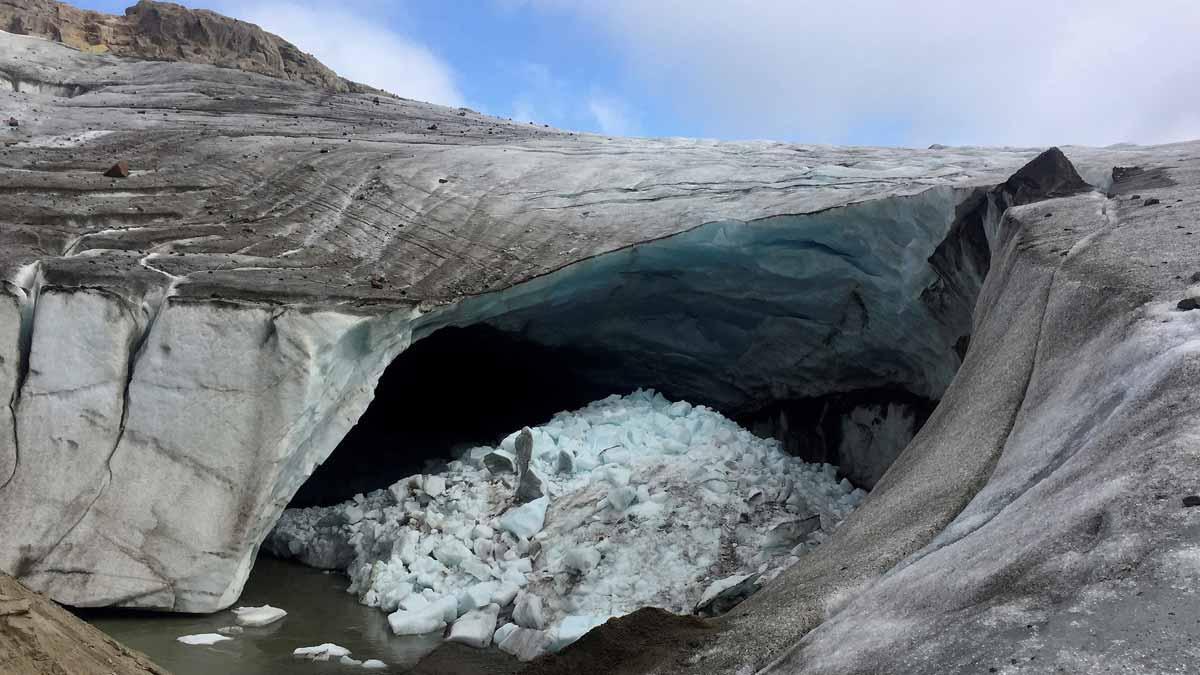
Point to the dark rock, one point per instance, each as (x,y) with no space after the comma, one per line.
(443,180)
(1191,500)
(378,281)
(498,462)
(1150,202)
(1195,279)
(529,486)
(1188,304)
(12,122)
(432,127)
(118,170)
(1047,176)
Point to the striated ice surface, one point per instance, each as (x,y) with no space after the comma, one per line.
(647,480)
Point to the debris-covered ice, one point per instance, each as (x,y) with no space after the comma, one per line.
(626,481)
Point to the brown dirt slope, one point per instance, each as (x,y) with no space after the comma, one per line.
(37,637)
(163,31)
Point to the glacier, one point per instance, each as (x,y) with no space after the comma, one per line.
(1006,357)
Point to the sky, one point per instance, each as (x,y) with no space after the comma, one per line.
(860,72)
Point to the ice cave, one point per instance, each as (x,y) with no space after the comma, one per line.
(830,342)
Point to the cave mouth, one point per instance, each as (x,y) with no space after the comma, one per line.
(835,333)
(458,388)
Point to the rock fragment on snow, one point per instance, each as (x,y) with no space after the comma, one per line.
(1191,500)
(118,170)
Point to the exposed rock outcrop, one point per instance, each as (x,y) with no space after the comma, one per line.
(37,637)
(165,31)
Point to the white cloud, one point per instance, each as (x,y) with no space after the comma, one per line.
(356,47)
(923,71)
(612,115)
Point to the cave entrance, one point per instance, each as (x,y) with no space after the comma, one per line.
(834,332)
(455,389)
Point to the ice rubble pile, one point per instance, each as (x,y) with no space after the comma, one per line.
(644,502)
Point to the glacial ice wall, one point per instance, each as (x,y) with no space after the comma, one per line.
(738,314)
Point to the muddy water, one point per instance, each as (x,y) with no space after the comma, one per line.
(319,611)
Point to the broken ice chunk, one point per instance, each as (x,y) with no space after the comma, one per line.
(528,612)
(475,628)
(321,652)
(258,616)
(434,486)
(571,628)
(202,639)
(418,621)
(581,559)
(503,632)
(374,664)
(526,520)
(526,644)
(621,498)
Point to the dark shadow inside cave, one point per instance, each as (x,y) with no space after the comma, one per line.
(457,388)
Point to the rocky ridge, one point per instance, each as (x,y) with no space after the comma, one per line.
(164,31)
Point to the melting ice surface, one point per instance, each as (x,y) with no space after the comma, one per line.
(646,503)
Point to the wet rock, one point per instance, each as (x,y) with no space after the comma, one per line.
(118,170)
